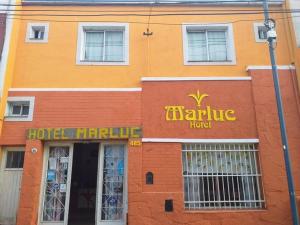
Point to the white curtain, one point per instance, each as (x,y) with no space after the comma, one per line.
(220,162)
(217,45)
(197,50)
(114,46)
(94,46)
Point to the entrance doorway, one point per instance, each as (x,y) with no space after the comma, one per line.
(84,184)
(82,206)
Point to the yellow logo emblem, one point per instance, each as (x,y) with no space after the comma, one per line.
(201,117)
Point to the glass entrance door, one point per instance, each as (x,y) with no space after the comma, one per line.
(111,193)
(57,178)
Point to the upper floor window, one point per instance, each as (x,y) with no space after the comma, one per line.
(102,44)
(260,32)
(208,44)
(37,32)
(19,109)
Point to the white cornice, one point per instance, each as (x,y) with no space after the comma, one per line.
(179,140)
(280,67)
(194,78)
(78,89)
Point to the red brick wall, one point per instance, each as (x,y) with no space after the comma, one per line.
(76,109)
(256,97)
(235,95)
(255,106)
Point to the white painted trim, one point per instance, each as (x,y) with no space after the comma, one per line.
(210,26)
(29,33)
(194,78)
(77,89)
(29,99)
(255,29)
(101,26)
(280,67)
(179,140)
(6,46)
(11,149)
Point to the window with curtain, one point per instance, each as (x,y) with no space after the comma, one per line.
(104,45)
(207,45)
(218,176)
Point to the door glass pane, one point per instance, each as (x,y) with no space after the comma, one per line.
(113,180)
(56,184)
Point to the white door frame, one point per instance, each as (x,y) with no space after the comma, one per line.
(3,168)
(42,194)
(100,184)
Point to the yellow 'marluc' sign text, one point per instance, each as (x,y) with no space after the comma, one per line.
(84,133)
(199,117)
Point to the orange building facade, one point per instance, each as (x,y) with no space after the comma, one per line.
(115,117)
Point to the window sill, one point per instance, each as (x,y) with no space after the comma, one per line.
(98,63)
(17,118)
(199,211)
(209,63)
(42,41)
(13,169)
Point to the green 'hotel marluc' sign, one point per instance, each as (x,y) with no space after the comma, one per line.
(83,133)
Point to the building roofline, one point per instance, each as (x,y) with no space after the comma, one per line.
(148,2)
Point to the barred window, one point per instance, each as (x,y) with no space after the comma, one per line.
(218,176)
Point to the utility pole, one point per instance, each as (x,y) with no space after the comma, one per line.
(271,34)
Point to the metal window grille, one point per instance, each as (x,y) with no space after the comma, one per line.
(218,176)
(56,178)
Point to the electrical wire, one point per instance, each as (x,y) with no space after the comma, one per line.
(162,2)
(145,23)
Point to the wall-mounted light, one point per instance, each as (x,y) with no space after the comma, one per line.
(34,150)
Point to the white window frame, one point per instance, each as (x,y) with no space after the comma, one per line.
(28,117)
(101,26)
(256,35)
(230,43)
(30,33)
(12,149)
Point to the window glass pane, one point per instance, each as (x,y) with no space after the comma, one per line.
(14,159)
(25,110)
(16,109)
(94,46)
(38,32)
(114,46)
(217,45)
(113,182)
(262,32)
(197,50)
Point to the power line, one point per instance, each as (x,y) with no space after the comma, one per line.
(144,23)
(161,10)
(133,2)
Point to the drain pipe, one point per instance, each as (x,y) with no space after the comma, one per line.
(271,34)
